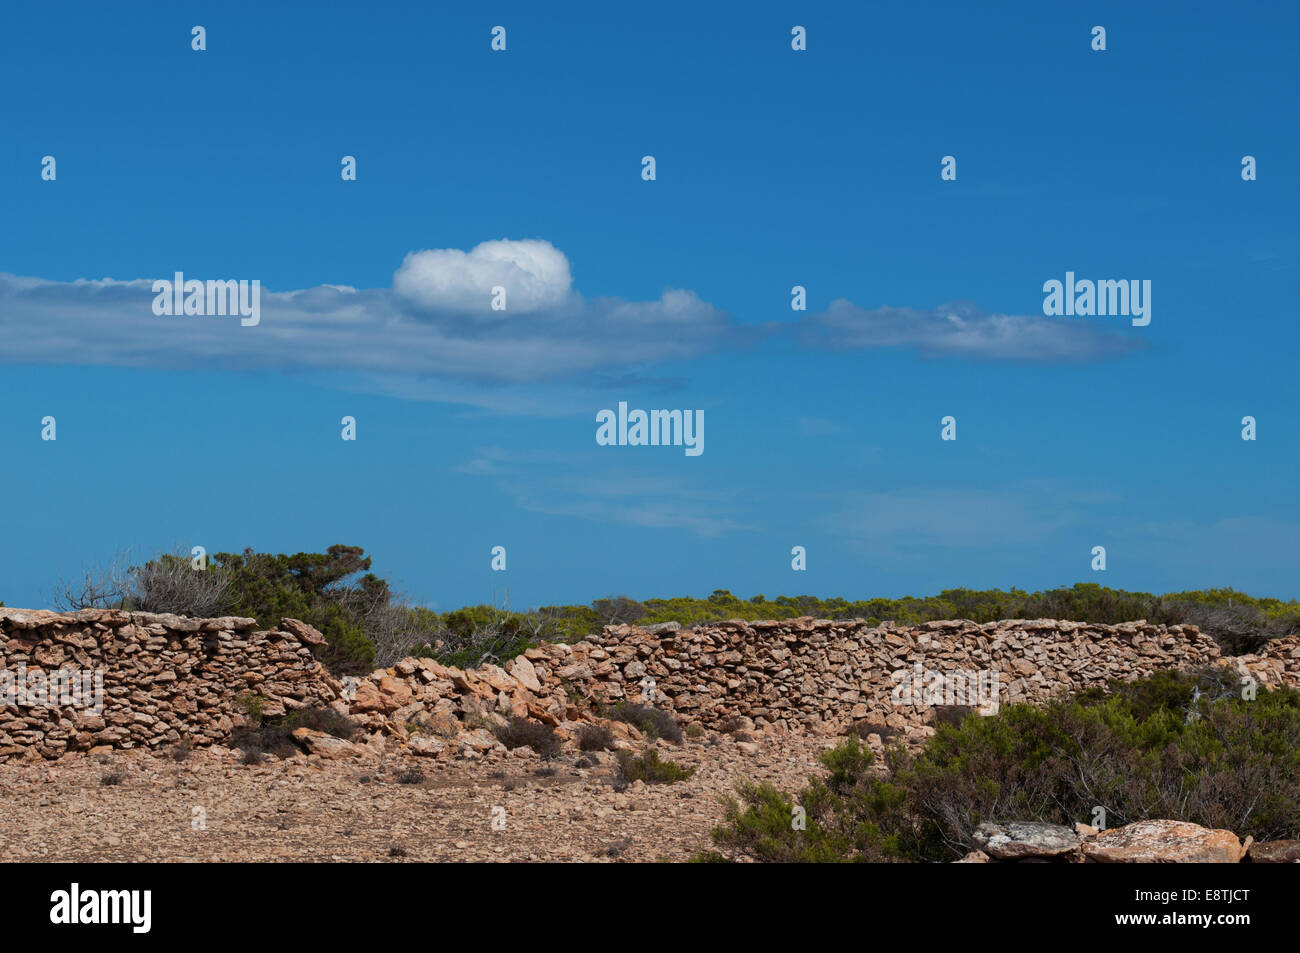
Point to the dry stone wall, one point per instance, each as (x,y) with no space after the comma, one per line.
(167,678)
(820,674)
(793,674)
(77,680)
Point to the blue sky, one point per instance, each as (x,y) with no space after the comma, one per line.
(775,168)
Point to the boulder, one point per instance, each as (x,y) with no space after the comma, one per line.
(522,671)
(305,633)
(1163,842)
(326,746)
(496,677)
(397,693)
(367,698)
(443,724)
(427,746)
(1017,840)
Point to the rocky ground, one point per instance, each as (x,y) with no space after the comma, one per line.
(141,806)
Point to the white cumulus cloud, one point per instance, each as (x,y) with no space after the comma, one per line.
(535,275)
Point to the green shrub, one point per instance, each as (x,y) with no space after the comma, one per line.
(650,769)
(252,705)
(951,714)
(476,634)
(1180,746)
(326,590)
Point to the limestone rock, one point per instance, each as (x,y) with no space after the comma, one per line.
(320,743)
(1016,840)
(305,633)
(1163,842)
(523,672)
(427,745)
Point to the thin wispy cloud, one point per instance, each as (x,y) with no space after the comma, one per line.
(962,330)
(556,483)
(950,517)
(437,323)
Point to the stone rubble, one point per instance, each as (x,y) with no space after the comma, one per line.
(1277,664)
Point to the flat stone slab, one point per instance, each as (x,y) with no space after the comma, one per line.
(1017,840)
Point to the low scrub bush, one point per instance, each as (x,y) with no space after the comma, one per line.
(113,778)
(320,719)
(592,737)
(523,733)
(650,769)
(409,776)
(653,722)
(1180,746)
(952,714)
(275,735)
(253,706)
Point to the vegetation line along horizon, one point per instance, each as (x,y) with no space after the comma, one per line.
(368,624)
